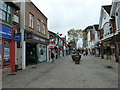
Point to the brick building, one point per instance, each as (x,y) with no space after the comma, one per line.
(34,32)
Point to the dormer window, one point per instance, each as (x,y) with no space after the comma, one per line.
(104,15)
(108,29)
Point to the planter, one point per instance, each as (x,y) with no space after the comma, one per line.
(77,59)
(73,57)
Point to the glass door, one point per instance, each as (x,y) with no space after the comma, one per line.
(0,52)
(6,53)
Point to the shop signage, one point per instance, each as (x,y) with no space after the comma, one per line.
(17,37)
(5,32)
(38,39)
(31,37)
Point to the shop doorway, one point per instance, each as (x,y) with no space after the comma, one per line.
(6,53)
(31,54)
(0,52)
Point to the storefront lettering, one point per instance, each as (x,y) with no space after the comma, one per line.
(6,32)
(38,39)
(29,36)
(32,37)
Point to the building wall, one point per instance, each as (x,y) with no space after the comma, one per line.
(26,8)
(104,18)
(89,39)
(118,17)
(96,36)
(30,8)
(13,44)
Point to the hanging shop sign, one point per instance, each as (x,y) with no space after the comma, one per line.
(5,32)
(17,37)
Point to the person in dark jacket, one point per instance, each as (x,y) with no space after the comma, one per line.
(52,57)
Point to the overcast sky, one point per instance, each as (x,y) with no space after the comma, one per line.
(66,14)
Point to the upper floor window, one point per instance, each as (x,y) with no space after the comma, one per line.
(104,15)
(44,28)
(5,12)
(118,19)
(38,25)
(107,29)
(31,17)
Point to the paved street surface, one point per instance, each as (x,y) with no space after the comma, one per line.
(64,73)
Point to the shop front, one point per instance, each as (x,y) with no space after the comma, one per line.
(118,48)
(53,49)
(97,50)
(109,49)
(61,51)
(36,48)
(7,47)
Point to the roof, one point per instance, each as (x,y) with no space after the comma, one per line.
(107,8)
(96,26)
(113,8)
(89,27)
(51,32)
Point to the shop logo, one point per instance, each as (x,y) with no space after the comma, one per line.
(29,36)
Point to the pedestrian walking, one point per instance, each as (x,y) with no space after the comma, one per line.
(84,53)
(93,53)
(52,57)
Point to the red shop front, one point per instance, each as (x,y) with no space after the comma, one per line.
(7,47)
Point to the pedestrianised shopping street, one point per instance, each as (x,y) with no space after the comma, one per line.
(64,73)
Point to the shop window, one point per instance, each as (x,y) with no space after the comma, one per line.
(40,46)
(44,46)
(0,52)
(112,51)
(41,52)
(6,53)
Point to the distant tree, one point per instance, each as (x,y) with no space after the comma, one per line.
(75,35)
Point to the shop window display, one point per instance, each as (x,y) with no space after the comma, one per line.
(6,53)
(0,52)
(41,52)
